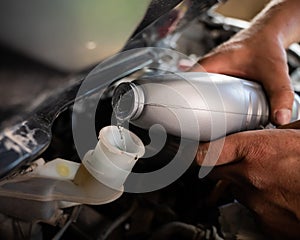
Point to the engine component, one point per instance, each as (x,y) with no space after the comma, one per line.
(60,183)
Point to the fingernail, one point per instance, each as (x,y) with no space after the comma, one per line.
(283,116)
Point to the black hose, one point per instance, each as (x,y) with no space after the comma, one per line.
(117,222)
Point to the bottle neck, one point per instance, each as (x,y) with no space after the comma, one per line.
(128,101)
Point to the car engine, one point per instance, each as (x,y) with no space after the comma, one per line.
(39,110)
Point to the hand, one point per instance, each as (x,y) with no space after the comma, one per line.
(258,53)
(261,58)
(263,168)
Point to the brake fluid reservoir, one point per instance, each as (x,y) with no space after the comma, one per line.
(61,183)
(194,105)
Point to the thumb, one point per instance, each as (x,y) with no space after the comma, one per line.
(281,97)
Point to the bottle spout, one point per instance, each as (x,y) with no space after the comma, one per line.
(128,101)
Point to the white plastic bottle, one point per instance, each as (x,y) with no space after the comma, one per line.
(194,105)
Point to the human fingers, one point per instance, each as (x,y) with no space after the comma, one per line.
(255,60)
(227,150)
(270,71)
(276,82)
(224,60)
(229,157)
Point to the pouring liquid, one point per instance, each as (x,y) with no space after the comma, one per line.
(123,143)
(120,123)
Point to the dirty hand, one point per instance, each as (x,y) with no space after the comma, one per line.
(263,168)
(261,58)
(258,53)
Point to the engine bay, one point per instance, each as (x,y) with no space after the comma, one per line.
(35,96)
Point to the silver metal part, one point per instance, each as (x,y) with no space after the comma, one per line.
(296,108)
(165,28)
